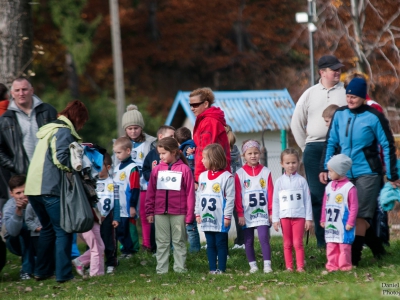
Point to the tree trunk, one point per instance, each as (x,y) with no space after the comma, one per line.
(358,46)
(15,39)
(73,80)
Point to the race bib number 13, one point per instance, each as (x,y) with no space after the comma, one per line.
(290,199)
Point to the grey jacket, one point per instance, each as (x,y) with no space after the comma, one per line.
(12,224)
(32,220)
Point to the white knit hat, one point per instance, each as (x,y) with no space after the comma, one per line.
(340,164)
(132,117)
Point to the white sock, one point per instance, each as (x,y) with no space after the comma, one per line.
(253,264)
(267,263)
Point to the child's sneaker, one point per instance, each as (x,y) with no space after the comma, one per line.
(216,272)
(78,266)
(24,276)
(267,269)
(253,269)
(110,270)
(237,246)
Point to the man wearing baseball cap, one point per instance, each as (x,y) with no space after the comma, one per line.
(309,129)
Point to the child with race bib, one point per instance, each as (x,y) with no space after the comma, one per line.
(292,207)
(253,202)
(170,204)
(214,205)
(339,213)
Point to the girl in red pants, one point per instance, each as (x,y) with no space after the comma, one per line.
(292,207)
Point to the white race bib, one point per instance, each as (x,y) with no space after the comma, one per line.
(290,199)
(169,180)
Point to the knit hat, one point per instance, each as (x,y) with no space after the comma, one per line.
(340,164)
(132,117)
(357,87)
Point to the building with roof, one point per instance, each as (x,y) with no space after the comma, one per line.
(263,115)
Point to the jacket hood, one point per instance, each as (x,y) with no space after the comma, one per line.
(189,143)
(235,153)
(36,102)
(49,128)
(212,112)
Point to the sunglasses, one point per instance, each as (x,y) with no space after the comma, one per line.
(196,105)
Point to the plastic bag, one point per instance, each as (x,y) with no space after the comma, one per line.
(76,213)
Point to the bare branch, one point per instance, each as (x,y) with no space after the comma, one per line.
(391,65)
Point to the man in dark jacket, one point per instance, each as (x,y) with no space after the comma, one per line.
(26,113)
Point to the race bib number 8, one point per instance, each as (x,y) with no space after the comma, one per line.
(169,180)
(290,199)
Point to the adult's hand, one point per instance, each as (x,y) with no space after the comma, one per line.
(323,177)
(396,183)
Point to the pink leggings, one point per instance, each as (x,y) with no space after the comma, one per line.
(339,257)
(293,230)
(146,226)
(95,255)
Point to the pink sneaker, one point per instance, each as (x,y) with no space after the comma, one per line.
(78,266)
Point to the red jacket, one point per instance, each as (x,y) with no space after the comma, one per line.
(252,171)
(180,202)
(209,129)
(3,106)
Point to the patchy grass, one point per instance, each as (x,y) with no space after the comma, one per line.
(136,279)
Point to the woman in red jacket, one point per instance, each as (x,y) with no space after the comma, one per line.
(209,127)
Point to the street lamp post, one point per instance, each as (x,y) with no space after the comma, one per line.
(309,18)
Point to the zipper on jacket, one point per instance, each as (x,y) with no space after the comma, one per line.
(166,194)
(351,141)
(347,127)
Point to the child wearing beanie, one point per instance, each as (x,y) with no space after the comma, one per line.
(339,212)
(133,124)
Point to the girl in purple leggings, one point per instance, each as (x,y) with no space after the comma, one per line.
(253,202)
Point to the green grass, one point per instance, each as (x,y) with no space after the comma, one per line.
(136,279)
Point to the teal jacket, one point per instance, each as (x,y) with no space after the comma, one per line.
(51,157)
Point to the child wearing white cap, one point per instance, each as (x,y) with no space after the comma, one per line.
(339,212)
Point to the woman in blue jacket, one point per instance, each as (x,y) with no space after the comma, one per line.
(356,130)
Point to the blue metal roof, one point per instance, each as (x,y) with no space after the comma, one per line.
(246,111)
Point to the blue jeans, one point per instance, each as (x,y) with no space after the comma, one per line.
(20,246)
(124,236)
(193,236)
(311,158)
(217,246)
(55,244)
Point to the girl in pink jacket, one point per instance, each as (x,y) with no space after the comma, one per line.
(170,204)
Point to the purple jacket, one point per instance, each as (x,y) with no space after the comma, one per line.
(171,202)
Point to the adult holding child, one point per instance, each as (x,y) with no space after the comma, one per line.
(309,130)
(356,131)
(209,127)
(43,186)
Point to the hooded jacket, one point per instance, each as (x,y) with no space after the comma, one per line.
(208,129)
(12,153)
(51,157)
(159,202)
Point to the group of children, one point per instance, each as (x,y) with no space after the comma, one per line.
(154,181)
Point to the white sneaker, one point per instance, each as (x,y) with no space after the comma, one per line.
(267,269)
(204,247)
(236,246)
(110,270)
(78,266)
(253,269)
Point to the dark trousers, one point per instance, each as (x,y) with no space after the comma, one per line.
(3,254)
(21,246)
(239,230)
(311,159)
(124,236)
(217,247)
(107,232)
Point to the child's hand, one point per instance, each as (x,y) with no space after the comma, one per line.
(132,212)
(276,226)
(322,224)
(308,225)
(349,227)
(115,224)
(150,219)
(38,229)
(242,221)
(198,220)
(190,151)
(270,219)
(227,222)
